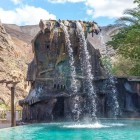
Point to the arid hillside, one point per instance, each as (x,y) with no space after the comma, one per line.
(15,54)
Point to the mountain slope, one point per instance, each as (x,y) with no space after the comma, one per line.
(14,56)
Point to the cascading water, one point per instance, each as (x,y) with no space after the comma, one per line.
(55,32)
(73,86)
(86,70)
(110,82)
(76,110)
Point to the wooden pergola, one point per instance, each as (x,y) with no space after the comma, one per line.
(11,86)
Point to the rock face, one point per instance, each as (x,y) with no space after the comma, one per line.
(16,53)
(14,56)
(51,96)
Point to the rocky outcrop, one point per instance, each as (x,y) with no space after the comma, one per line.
(50,71)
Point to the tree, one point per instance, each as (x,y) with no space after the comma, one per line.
(138,2)
(127,41)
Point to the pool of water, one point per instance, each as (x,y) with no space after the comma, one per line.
(102,130)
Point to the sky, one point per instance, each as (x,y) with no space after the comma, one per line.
(29,12)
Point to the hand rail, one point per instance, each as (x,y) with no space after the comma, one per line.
(3,114)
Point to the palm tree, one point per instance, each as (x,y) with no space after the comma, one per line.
(131,17)
(127,41)
(138,2)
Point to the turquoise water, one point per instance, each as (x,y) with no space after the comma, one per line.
(105,130)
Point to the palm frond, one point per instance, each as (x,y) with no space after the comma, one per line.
(131,16)
(131,12)
(126,19)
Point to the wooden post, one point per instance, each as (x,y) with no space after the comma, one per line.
(12,87)
(13,118)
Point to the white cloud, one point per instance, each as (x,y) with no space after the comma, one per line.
(26,15)
(64,1)
(89,11)
(16,1)
(103,8)
(108,8)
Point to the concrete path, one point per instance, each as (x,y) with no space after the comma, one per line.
(4,124)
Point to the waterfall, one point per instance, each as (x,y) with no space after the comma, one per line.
(73,85)
(87,72)
(76,109)
(55,32)
(110,83)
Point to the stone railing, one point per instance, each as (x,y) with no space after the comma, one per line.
(6,115)
(2,114)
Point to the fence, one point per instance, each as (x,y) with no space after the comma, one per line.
(6,114)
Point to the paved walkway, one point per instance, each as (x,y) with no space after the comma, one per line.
(4,124)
